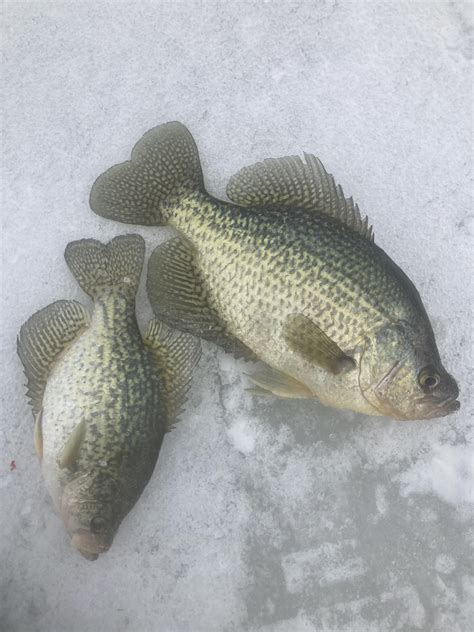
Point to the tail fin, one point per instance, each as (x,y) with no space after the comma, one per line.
(135,192)
(96,265)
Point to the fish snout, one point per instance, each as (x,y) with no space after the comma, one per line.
(434,409)
(91,545)
(451,406)
(446,406)
(445,396)
(442,400)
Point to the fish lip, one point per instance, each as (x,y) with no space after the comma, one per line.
(89,545)
(92,557)
(447,406)
(442,408)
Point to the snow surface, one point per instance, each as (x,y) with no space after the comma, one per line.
(262,515)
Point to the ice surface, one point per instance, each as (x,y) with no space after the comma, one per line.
(262,515)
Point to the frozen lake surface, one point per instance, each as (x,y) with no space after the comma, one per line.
(262,515)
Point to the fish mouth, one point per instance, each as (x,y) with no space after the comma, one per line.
(430,408)
(446,406)
(424,410)
(90,545)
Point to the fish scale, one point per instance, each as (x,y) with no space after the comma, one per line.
(103,395)
(115,379)
(287,272)
(255,251)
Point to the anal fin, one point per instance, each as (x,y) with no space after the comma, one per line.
(41,340)
(179,298)
(270,381)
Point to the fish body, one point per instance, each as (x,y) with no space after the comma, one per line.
(288,274)
(261,268)
(105,397)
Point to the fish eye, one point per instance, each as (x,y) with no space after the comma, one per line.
(428,378)
(97,524)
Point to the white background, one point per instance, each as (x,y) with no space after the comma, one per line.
(262,515)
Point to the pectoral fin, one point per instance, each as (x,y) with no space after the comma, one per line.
(38,435)
(307,339)
(73,445)
(270,381)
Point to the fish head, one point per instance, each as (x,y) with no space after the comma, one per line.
(89,509)
(402,376)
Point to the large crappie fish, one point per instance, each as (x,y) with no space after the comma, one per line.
(288,273)
(102,396)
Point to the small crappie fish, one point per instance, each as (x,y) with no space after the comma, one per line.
(102,396)
(288,273)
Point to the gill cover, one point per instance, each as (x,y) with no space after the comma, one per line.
(390,376)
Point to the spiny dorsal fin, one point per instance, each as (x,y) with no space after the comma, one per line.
(307,339)
(178,296)
(42,338)
(177,355)
(289,182)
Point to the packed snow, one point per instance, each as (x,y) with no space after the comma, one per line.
(263,514)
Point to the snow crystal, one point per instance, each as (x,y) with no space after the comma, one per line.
(448,472)
(242,436)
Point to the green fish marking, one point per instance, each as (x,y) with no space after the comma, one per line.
(102,395)
(287,272)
